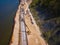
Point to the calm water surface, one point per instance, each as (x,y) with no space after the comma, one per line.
(7,12)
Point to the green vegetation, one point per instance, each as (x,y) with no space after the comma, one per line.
(50,24)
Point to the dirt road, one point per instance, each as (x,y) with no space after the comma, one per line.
(32,30)
(33,34)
